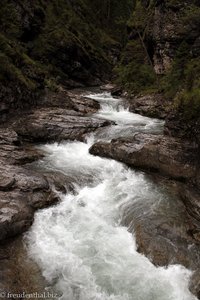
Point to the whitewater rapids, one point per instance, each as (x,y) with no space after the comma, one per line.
(80,245)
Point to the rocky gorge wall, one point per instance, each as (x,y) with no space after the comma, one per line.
(162,58)
(44,45)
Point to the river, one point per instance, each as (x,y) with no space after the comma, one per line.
(81,246)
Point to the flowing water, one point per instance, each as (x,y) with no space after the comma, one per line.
(83,250)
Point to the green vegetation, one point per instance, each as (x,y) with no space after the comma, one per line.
(181,81)
(47,43)
(173,82)
(136,71)
(187,99)
(137,74)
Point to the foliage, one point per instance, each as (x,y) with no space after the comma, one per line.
(135,74)
(46,42)
(188,99)
(189,103)
(181,82)
(9,21)
(173,81)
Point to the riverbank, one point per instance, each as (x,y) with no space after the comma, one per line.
(35,189)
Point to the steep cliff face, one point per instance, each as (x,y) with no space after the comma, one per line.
(175,25)
(162,56)
(176,37)
(47,43)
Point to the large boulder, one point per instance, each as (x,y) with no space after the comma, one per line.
(22,191)
(15,215)
(56,125)
(191,198)
(153,105)
(18,272)
(12,151)
(70,101)
(165,232)
(169,156)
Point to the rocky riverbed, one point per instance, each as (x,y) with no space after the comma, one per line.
(25,189)
(28,189)
(22,190)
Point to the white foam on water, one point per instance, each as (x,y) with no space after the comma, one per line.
(80,245)
(128,123)
(113,109)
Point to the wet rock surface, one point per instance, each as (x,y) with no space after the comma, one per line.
(153,106)
(18,273)
(168,156)
(171,237)
(178,125)
(191,199)
(165,232)
(56,125)
(71,101)
(22,189)
(22,192)
(62,183)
